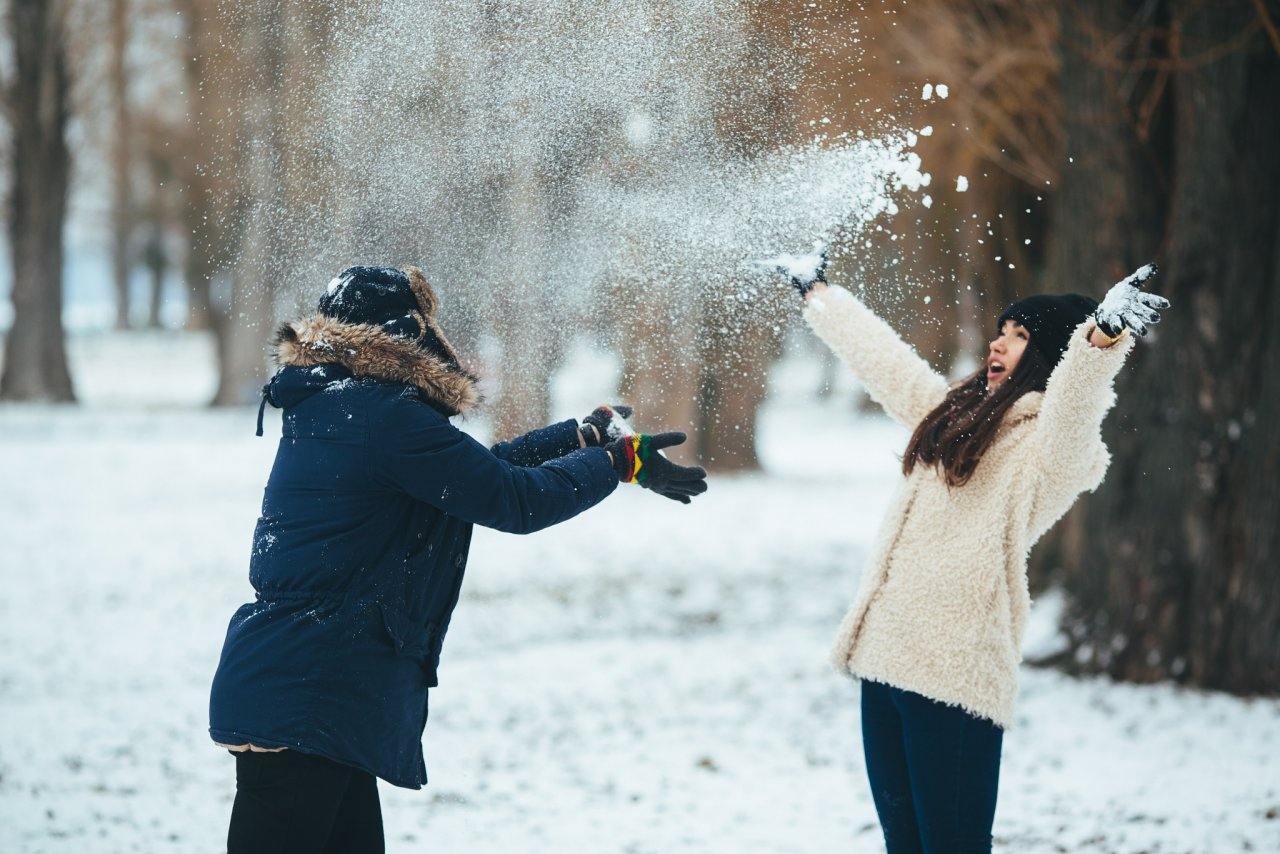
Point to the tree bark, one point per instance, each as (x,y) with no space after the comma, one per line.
(260,255)
(1177,572)
(661,364)
(206,233)
(525,319)
(1109,212)
(121,163)
(35,363)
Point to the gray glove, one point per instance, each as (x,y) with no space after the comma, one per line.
(1126,307)
(804,271)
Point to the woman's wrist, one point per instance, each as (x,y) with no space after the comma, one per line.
(1102,340)
(816,288)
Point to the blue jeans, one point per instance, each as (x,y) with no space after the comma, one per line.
(933,769)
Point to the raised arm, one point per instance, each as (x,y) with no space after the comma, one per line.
(1068,447)
(893,373)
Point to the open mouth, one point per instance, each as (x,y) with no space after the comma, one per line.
(995,370)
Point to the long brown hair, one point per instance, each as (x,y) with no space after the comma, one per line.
(956,434)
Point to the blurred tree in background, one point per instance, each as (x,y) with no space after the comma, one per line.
(36,96)
(1172,565)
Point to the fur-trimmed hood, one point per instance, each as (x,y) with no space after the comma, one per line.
(369,351)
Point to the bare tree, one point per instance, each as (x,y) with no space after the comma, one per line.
(243,328)
(1171,566)
(35,363)
(122,144)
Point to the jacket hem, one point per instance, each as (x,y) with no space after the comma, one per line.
(223,737)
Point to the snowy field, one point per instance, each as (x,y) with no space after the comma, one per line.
(646,678)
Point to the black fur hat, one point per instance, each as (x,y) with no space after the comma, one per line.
(399,302)
(1050,318)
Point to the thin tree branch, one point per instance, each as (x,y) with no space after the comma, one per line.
(1269,25)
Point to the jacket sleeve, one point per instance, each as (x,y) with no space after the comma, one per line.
(893,374)
(537,446)
(1067,448)
(417,450)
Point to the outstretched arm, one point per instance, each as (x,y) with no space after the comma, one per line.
(1068,441)
(538,446)
(430,459)
(1068,452)
(892,372)
(604,424)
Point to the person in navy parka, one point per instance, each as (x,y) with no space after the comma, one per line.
(359,554)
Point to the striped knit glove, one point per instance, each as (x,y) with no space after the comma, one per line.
(637,459)
(604,424)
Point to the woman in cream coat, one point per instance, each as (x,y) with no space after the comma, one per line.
(936,628)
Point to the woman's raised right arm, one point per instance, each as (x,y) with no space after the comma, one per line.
(891,371)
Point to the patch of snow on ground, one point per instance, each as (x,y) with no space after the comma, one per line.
(664,691)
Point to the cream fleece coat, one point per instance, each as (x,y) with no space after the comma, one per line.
(942,604)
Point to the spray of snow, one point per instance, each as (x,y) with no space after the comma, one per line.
(535,157)
(800,268)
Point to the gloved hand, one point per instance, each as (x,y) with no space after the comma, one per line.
(1126,307)
(804,271)
(637,459)
(605,424)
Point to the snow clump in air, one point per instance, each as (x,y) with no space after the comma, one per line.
(802,268)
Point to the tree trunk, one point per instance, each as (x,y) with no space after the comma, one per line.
(260,256)
(1108,214)
(660,360)
(121,163)
(206,234)
(737,344)
(35,363)
(157,262)
(525,318)
(1177,574)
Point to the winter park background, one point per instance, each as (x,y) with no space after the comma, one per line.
(583,187)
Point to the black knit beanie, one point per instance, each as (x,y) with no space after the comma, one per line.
(389,298)
(1050,318)
(378,296)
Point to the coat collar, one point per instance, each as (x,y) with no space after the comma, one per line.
(368,351)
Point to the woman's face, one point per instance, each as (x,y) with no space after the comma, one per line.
(1004,352)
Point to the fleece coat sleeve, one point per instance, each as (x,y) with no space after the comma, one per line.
(1067,445)
(892,373)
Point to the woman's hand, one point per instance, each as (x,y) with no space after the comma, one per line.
(1127,307)
(806,272)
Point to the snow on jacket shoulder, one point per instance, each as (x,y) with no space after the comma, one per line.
(359,552)
(942,602)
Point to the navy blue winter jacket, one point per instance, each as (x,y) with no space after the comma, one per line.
(359,554)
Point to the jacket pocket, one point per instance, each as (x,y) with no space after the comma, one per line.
(411,639)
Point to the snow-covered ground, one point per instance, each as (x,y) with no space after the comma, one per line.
(646,678)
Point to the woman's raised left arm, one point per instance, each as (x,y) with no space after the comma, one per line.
(1068,450)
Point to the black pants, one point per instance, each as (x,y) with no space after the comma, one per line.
(934,771)
(295,803)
